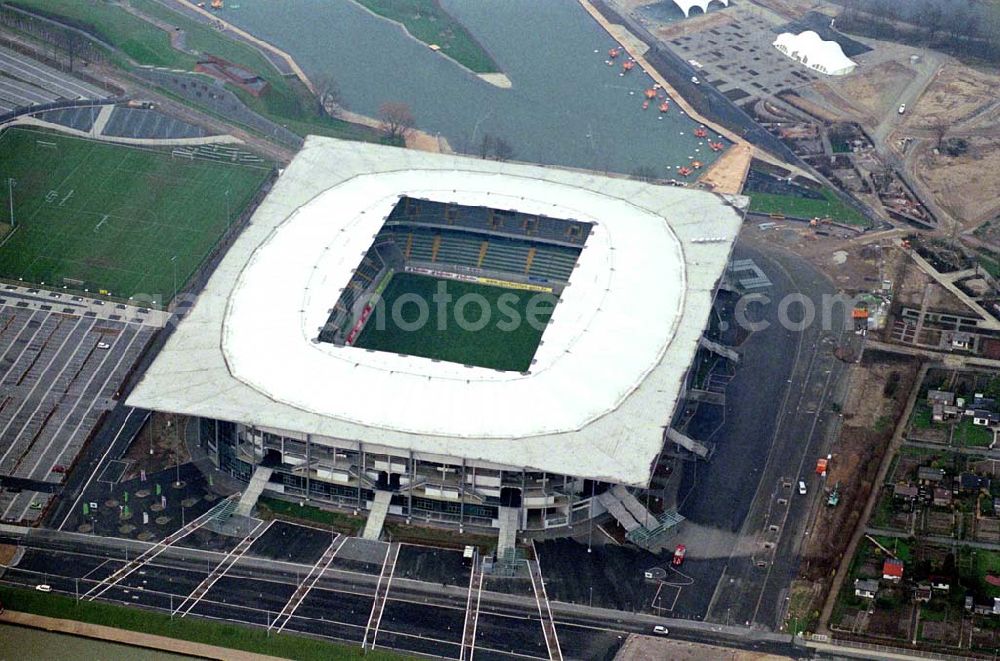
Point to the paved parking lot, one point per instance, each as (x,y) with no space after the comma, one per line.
(738,58)
(257,587)
(62,360)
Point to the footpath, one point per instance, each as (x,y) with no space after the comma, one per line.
(123,637)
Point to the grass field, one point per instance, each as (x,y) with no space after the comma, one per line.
(197,630)
(428,22)
(491,346)
(122,219)
(800,207)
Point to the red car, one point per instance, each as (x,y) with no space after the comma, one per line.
(58,469)
(679,554)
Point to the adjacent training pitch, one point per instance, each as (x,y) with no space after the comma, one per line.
(102,216)
(480,325)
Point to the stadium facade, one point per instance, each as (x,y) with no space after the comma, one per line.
(277,361)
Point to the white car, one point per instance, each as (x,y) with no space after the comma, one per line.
(802,487)
(43,588)
(902,108)
(103,345)
(660,630)
(694,79)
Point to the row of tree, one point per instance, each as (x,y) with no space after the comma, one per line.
(964,28)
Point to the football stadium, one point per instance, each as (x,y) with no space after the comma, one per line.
(449,340)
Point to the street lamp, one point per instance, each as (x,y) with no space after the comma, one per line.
(173,261)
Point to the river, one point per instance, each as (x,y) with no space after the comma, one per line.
(566,106)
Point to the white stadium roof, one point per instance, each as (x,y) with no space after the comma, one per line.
(606,376)
(812,51)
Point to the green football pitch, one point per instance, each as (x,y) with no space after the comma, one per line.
(99,216)
(459,331)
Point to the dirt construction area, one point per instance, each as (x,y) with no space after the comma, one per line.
(648,648)
(967,186)
(957,95)
(873,90)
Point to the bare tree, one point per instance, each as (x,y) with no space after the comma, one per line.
(940,129)
(502,151)
(327,94)
(495,147)
(396,120)
(486,146)
(644,173)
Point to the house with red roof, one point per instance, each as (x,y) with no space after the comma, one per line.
(892,570)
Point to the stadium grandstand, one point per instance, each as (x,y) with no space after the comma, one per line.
(296,391)
(481,241)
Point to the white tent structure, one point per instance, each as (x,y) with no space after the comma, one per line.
(687,5)
(809,49)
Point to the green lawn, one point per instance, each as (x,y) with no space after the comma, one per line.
(428,22)
(99,216)
(921,418)
(339,521)
(800,207)
(496,345)
(968,434)
(230,636)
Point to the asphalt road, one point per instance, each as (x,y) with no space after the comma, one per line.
(420,617)
(773,426)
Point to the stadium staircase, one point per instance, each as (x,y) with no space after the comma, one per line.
(688,443)
(508,531)
(642,527)
(376,515)
(618,510)
(719,349)
(248,500)
(635,508)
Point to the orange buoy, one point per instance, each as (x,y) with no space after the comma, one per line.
(664,107)
(650,93)
(696,165)
(645,105)
(683,171)
(700,132)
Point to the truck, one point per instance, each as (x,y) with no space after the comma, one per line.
(679,554)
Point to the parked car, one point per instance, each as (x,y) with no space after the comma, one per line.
(43,588)
(103,345)
(902,108)
(660,630)
(679,554)
(58,468)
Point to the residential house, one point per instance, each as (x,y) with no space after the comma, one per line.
(907,492)
(940,583)
(892,570)
(961,340)
(865,588)
(942,497)
(972,483)
(929,475)
(984,417)
(942,397)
